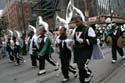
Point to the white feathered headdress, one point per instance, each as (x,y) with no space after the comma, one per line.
(18,34)
(11,32)
(61,22)
(108,20)
(69,11)
(41,22)
(78,12)
(32,28)
(45,25)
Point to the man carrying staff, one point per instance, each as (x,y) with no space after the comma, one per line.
(84,38)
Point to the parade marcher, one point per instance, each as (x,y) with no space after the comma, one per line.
(15,50)
(21,46)
(9,50)
(19,40)
(33,48)
(84,38)
(64,45)
(15,47)
(4,50)
(0,48)
(117,32)
(45,51)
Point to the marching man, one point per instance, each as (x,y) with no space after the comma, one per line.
(45,51)
(9,50)
(33,48)
(84,38)
(117,32)
(65,46)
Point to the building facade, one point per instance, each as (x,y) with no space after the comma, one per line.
(116,7)
(94,8)
(18,12)
(98,7)
(17,15)
(46,9)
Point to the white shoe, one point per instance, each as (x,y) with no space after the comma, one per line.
(23,61)
(16,64)
(57,67)
(89,78)
(42,72)
(11,61)
(114,61)
(65,80)
(123,57)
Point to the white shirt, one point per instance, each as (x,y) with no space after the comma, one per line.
(34,38)
(69,42)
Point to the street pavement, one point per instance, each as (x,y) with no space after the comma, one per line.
(104,71)
(118,76)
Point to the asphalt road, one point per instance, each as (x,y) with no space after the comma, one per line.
(25,73)
(118,76)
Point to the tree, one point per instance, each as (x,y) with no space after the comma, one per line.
(2,26)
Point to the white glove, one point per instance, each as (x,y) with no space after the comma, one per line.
(98,41)
(58,41)
(17,43)
(69,43)
(80,40)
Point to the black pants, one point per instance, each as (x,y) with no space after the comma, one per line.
(34,60)
(65,67)
(42,61)
(114,51)
(16,57)
(81,56)
(72,69)
(84,72)
(10,55)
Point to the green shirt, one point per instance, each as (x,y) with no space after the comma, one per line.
(47,49)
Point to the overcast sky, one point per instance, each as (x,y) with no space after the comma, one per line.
(2,4)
